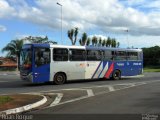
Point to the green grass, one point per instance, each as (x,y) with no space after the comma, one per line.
(4,99)
(152,69)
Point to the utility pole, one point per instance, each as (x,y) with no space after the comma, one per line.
(61,22)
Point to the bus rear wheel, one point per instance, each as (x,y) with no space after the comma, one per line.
(59,78)
(116,75)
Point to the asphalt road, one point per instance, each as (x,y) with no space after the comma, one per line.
(11,83)
(134,96)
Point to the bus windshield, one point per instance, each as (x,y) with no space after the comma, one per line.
(25,58)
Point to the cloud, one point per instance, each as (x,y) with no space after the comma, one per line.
(2,28)
(6,10)
(104,15)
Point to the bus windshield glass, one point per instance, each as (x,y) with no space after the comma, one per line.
(25,58)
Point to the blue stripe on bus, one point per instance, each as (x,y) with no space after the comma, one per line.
(97,69)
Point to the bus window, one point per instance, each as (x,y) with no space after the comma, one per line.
(107,55)
(140,56)
(77,55)
(42,56)
(94,55)
(60,54)
(132,56)
(120,55)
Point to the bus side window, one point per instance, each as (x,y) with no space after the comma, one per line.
(94,55)
(77,55)
(120,55)
(60,54)
(132,56)
(140,56)
(108,55)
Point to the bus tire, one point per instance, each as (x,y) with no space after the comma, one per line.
(59,78)
(116,75)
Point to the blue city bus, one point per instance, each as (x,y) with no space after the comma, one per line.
(41,63)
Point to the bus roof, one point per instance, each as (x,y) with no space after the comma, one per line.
(83,47)
(97,48)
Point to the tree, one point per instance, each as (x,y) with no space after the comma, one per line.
(13,48)
(113,42)
(108,42)
(36,39)
(83,40)
(73,33)
(151,56)
(100,42)
(118,44)
(103,42)
(88,41)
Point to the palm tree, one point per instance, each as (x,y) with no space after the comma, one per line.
(103,42)
(83,40)
(93,41)
(113,42)
(118,44)
(100,42)
(108,42)
(88,41)
(13,48)
(71,33)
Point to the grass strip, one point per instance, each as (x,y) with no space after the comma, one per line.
(5,99)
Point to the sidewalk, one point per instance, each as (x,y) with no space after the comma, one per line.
(21,103)
(9,72)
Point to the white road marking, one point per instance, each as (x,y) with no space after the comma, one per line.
(57,99)
(4,74)
(90,92)
(111,88)
(4,81)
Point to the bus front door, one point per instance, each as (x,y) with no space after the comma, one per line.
(41,68)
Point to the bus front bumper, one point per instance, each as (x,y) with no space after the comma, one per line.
(28,77)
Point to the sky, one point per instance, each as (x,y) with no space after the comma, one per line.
(101,18)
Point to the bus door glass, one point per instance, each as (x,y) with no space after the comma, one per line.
(41,70)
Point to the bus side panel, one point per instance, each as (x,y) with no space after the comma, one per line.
(93,69)
(99,69)
(41,74)
(135,68)
(73,70)
(129,68)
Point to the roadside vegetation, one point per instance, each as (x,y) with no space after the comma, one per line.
(93,41)
(4,99)
(151,59)
(152,69)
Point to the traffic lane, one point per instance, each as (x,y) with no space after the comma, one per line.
(136,100)
(13,84)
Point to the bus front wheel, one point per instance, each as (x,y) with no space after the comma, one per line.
(59,78)
(116,75)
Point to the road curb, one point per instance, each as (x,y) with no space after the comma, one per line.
(25,108)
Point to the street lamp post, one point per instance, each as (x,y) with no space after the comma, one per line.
(61,20)
(127,37)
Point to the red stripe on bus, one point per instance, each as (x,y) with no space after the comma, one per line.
(110,70)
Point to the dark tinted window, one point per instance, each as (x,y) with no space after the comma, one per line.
(132,55)
(42,56)
(94,55)
(140,56)
(60,54)
(77,55)
(107,55)
(120,55)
